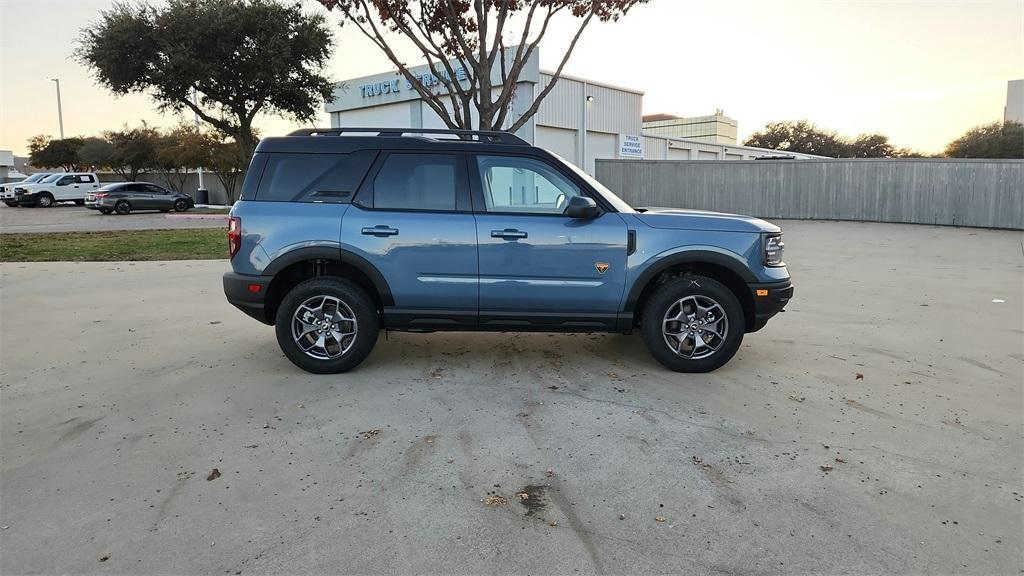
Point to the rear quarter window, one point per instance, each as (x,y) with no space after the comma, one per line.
(291,177)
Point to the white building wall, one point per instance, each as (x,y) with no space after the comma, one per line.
(562,106)
(1014,111)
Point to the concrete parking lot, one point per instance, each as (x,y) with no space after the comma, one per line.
(874,428)
(71,218)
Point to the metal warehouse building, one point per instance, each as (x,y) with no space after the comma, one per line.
(580,120)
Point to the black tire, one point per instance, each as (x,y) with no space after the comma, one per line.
(665,299)
(357,301)
(180,206)
(44,200)
(123,207)
(12,204)
(79,202)
(105,211)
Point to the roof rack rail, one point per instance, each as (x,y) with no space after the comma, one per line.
(490,137)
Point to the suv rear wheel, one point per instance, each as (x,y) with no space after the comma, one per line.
(692,324)
(327,325)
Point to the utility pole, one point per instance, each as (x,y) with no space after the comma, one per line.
(195,100)
(60,113)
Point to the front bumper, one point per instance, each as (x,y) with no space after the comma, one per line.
(241,293)
(769,300)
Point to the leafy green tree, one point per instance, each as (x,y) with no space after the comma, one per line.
(801,136)
(804,137)
(463,41)
(226,166)
(183,149)
(995,140)
(243,57)
(134,150)
(97,153)
(61,153)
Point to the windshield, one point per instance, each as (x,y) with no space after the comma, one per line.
(36,177)
(618,203)
(51,178)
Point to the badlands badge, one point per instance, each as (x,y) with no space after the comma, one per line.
(602,267)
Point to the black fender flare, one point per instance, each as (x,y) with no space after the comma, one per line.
(731,263)
(336,254)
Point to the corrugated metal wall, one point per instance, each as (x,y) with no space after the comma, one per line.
(613,110)
(561,107)
(985,193)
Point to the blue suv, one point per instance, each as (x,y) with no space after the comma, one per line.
(339,233)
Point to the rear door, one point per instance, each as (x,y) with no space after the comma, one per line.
(84,185)
(538,267)
(413,221)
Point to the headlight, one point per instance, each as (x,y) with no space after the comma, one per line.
(773,249)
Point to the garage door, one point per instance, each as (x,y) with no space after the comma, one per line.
(558,140)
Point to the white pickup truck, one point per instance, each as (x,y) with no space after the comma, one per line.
(61,187)
(7,189)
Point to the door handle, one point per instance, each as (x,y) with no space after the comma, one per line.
(508,234)
(380,230)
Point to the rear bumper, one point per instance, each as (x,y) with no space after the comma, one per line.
(770,304)
(241,292)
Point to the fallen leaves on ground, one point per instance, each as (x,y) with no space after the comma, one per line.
(826,467)
(659,518)
(368,434)
(858,376)
(214,474)
(796,397)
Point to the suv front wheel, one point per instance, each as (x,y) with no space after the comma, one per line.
(692,324)
(327,325)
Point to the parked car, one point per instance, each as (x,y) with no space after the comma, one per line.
(61,187)
(125,197)
(7,189)
(342,232)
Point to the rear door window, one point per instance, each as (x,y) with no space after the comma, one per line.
(313,177)
(416,182)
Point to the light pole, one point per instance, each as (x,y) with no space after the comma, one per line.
(195,101)
(60,113)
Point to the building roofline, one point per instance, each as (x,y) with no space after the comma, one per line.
(549,73)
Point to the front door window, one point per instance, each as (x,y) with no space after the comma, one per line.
(523,185)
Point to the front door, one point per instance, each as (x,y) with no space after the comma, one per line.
(157,197)
(412,220)
(538,267)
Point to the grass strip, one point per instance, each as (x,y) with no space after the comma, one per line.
(115,245)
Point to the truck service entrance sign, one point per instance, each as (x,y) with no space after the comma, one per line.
(631,146)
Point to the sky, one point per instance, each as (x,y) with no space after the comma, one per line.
(919,71)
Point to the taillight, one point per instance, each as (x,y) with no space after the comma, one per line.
(102,195)
(234,235)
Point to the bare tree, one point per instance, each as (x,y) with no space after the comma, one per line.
(464,40)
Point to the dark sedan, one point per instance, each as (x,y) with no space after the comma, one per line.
(124,197)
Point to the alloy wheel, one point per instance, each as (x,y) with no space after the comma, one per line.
(695,327)
(324,327)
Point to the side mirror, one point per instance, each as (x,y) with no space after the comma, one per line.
(582,207)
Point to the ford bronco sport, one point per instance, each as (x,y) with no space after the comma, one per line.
(341,232)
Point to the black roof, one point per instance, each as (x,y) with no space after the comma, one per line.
(345,140)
